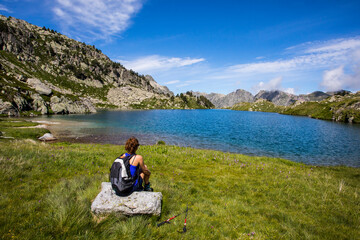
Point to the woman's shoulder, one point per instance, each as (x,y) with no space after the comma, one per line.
(138,157)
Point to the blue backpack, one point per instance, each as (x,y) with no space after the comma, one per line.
(120,177)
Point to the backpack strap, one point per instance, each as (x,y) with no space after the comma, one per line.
(133,159)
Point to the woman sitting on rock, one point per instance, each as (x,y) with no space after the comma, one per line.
(138,169)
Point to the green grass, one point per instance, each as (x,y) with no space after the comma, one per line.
(318,110)
(47,190)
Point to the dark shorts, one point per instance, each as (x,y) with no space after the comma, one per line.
(138,185)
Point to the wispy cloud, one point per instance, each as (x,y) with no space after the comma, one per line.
(4,8)
(295,63)
(335,45)
(95,19)
(159,63)
(172,82)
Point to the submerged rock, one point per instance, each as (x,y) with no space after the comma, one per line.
(137,203)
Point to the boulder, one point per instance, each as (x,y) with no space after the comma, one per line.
(47,137)
(63,105)
(39,86)
(39,104)
(136,203)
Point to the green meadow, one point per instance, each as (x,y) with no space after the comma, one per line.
(47,190)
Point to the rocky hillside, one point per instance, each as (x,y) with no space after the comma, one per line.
(42,71)
(338,107)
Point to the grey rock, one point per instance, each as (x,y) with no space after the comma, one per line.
(87,103)
(20,102)
(47,137)
(58,106)
(39,86)
(7,108)
(137,203)
(63,105)
(39,104)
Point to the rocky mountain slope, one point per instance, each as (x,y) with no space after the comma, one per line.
(42,71)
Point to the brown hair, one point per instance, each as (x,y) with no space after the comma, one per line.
(132,145)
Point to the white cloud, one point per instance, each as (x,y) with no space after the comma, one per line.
(159,63)
(4,8)
(333,79)
(337,78)
(308,61)
(95,19)
(171,82)
(273,84)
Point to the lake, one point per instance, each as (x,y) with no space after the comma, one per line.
(300,139)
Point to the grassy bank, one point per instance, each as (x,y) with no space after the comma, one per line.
(14,128)
(47,189)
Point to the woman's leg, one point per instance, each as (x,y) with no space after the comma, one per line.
(145,177)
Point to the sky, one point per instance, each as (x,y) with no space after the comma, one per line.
(215,46)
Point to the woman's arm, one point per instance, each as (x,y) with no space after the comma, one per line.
(142,165)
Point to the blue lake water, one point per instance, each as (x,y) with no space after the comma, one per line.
(300,139)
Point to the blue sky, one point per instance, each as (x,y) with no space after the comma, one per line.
(215,46)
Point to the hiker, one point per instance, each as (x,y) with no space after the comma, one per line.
(130,164)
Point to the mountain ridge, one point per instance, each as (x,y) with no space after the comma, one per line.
(45,72)
(278,97)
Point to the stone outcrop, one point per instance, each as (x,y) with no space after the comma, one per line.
(137,203)
(125,96)
(63,105)
(39,86)
(7,108)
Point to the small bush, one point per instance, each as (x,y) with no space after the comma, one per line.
(161,142)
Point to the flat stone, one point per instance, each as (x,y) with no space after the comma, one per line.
(136,203)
